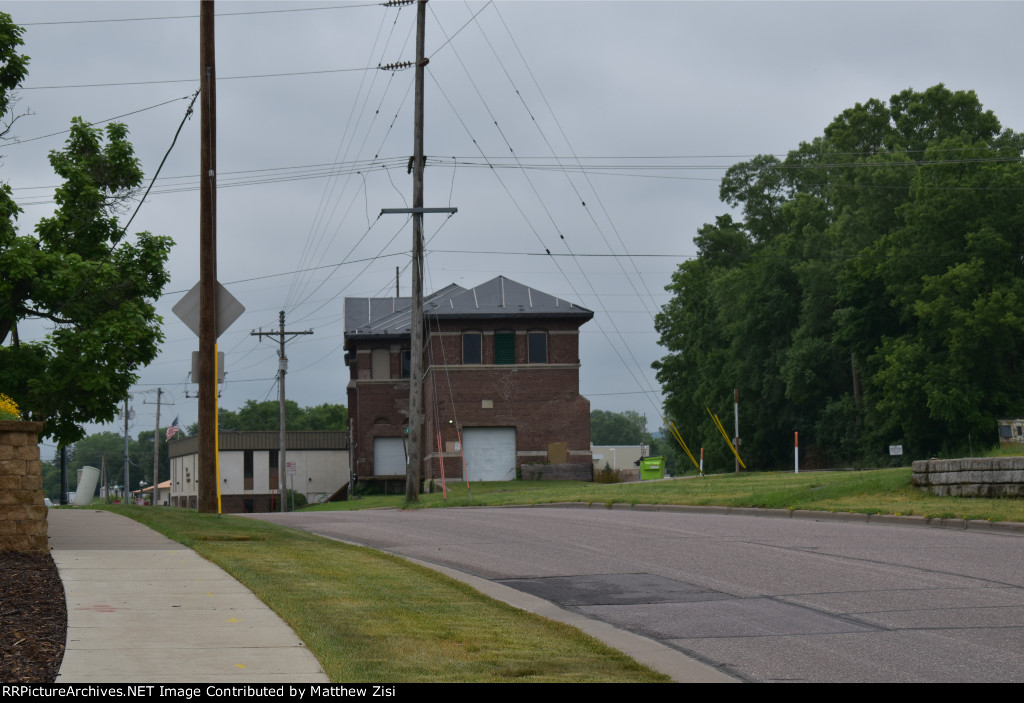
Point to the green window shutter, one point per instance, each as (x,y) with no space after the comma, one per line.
(504,348)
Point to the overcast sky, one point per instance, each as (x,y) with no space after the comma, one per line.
(633,108)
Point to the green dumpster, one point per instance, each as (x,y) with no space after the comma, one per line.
(652,467)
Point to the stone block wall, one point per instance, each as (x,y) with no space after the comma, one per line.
(990,477)
(22,510)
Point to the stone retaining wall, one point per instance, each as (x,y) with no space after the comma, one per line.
(992,477)
(22,510)
(558,472)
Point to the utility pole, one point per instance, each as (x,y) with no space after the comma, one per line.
(207,469)
(156,444)
(282,369)
(412,469)
(156,447)
(64,475)
(125,491)
(414,458)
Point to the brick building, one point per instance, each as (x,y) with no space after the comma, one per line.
(500,382)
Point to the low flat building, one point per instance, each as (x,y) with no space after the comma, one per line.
(249,471)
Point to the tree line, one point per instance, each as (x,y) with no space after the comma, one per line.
(867,293)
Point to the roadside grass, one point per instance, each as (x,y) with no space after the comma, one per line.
(885,491)
(369,616)
(999,450)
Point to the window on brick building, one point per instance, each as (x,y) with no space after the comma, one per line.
(406,363)
(472,348)
(380,364)
(504,347)
(538,347)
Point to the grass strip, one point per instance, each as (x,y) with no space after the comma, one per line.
(885,491)
(369,616)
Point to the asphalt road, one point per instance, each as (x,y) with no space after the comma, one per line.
(763,599)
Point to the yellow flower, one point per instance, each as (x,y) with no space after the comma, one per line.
(8,409)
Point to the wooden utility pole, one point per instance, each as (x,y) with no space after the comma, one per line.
(207,469)
(127,489)
(412,469)
(414,456)
(156,447)
(282,369)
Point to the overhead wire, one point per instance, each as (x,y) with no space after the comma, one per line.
(286,74)
(321,219)
(13,142)
(611,320)
(551,148)
(188,17)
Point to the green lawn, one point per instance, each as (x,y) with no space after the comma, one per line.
(369,616)
(886,491)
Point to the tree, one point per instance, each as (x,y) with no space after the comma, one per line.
(609,428)
(265,416)
(870,296)
(80,275)
(13,69)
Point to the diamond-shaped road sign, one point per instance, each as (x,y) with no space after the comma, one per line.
(228,309)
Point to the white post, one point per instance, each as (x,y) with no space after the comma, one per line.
(796,452)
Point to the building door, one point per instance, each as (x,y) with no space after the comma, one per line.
(490,453)
(388,456)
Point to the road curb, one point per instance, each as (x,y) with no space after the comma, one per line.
(985,526)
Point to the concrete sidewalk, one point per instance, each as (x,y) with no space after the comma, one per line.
(145,609)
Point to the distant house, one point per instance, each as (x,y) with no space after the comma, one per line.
(500,382)
(1011,431)
(162,493)
(249,471)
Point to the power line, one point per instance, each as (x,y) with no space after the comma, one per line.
(190,17)
(193,80)
(317,241)
(554,225)
(90,124)
(292,273)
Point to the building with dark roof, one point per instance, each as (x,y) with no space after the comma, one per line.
(500,383)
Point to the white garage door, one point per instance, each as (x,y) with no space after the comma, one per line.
(490,453)
(388,456)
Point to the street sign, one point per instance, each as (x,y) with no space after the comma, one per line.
(195,367)
(228,309)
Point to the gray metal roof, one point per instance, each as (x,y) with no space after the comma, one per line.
(295,440)
(498,297)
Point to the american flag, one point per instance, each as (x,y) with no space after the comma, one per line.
(173,429)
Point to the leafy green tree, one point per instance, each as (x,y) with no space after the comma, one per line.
(610,428)
(869,295)
(80,274)
(265,416)
(326,416)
